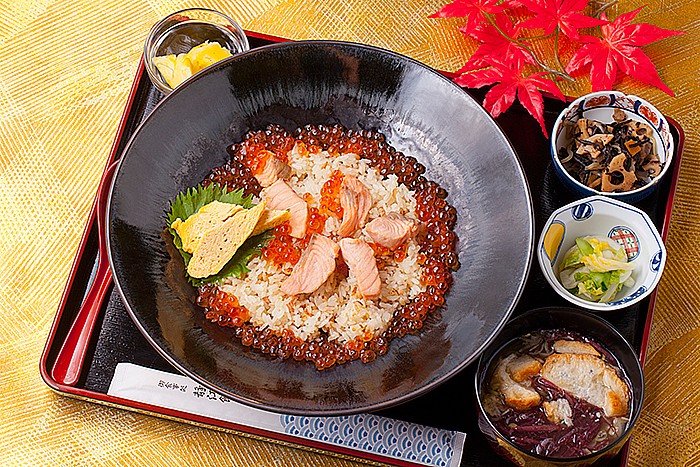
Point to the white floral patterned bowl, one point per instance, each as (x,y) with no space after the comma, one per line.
(600,106)
(604,217)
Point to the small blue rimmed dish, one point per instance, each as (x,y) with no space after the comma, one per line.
(625,227)
(584,154)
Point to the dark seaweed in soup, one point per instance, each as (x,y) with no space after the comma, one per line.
(541,417)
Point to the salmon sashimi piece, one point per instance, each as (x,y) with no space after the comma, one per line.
(271,169)
(391,230)
(359,257)
(316,264)
(356,201)
(281,196)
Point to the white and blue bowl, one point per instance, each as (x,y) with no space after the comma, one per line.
(606,217)
(600,106)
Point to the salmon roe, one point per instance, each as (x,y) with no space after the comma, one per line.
(234,175)
(282,248)
(222,308)
(399,253)
(330,195)
(258,144)
(257,160)
(379,250)
(315,223)
(436,239)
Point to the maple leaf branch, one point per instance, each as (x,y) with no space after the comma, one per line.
(556,50)
(532,53)
(537,38)
(616,48)
(603,6)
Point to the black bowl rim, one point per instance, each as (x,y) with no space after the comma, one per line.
(181,366)
(570,311)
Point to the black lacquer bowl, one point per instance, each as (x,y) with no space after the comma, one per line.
(422,114)
(586,324)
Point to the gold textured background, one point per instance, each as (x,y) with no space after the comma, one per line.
(66,67)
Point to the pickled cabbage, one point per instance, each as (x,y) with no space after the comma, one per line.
(596,268)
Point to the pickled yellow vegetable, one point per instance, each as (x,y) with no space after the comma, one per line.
(177,68)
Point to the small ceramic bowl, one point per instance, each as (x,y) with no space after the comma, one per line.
(181,31)
(600,106)
(585,324)
(605,217)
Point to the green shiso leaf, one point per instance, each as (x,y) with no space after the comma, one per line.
(192,200)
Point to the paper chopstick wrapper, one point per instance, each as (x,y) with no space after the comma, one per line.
(373,434)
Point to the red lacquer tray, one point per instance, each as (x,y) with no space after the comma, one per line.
(449,407)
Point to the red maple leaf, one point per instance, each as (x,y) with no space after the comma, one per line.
(566,14)
(495,45)
(473,10)
(511,83)
(618,49)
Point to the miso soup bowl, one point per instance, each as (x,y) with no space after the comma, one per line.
(586,324)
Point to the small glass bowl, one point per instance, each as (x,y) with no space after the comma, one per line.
(185,29)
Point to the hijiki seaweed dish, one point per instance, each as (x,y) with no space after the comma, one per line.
(318,245)
(558,394)
(611,157)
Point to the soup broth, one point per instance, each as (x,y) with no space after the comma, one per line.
(558,394)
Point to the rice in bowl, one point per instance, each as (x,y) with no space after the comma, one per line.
(337,322)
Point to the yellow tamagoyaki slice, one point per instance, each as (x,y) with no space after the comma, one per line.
(207,218)
(219,245)
(270,219)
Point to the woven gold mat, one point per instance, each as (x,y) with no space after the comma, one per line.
(65,73)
